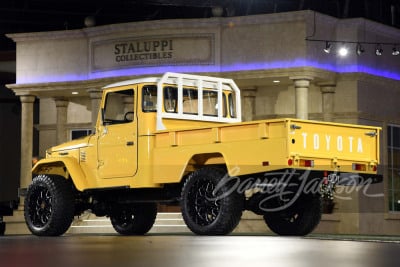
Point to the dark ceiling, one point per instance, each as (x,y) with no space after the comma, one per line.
(47,15)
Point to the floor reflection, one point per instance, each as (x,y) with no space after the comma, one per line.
(193,251)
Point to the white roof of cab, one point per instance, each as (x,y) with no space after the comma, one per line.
(134,81)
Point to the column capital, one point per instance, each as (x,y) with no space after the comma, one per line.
(249,91)
(95,93)
(128,100)
(301,81)
(27,98)
(61,102)
(328,88)
(301,77)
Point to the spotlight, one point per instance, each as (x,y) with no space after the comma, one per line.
(378,50)
(359,49)
(90,21)
(395,51)
(343,51)
(327,48)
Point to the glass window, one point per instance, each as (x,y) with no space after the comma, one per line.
(75,134)
(232,105)
(394,167)
(170,99)
(119,107)
(210,103)
(190,101)
(149,98)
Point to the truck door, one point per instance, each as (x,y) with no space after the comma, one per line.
(117,139)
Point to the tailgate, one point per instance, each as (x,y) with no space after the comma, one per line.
(340,144)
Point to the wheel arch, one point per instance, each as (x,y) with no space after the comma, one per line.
(198,161)
(67,167)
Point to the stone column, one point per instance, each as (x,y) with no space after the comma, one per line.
(301,85)
(26,139)
(248,103)
(95,97)
(62,110)
(327,91)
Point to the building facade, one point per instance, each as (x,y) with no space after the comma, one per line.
(276,59)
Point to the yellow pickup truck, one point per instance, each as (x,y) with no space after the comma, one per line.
(179,139)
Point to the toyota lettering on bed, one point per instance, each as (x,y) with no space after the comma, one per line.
(336,143)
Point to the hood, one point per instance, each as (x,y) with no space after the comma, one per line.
(71,145)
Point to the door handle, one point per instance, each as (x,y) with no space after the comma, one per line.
(130,143)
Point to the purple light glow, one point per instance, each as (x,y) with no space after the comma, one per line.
(296,63)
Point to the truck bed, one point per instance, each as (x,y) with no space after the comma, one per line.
(268,145)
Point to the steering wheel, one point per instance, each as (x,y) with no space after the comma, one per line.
(129,116)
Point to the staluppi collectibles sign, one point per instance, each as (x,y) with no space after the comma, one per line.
(152,51)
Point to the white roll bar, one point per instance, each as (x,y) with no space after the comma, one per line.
(180,80)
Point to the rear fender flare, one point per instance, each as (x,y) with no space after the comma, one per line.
(205,159)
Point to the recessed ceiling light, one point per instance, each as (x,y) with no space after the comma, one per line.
(276,81)
(75,93)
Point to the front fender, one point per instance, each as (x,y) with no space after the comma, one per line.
(64,166)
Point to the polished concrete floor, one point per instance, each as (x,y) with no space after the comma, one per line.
(192,251)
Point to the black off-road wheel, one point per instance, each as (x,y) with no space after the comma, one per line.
(49,205)
(210,204)
(136,219)
(299,219)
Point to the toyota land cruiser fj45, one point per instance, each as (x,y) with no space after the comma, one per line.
(179,139)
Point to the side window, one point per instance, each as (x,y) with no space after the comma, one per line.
(210,103)
(119,107)
(190,101)
(149,98)
(232,105)
(170,99)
